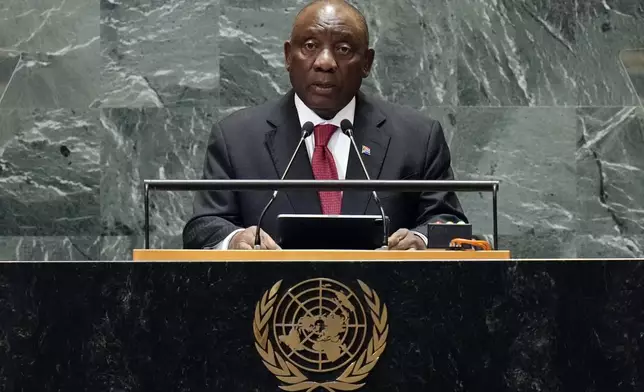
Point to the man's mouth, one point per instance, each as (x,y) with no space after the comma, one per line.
(323,87)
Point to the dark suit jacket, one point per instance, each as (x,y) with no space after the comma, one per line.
(257,142)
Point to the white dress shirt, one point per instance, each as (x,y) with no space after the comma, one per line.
(339,145)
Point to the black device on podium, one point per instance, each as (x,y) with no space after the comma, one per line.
(301,231)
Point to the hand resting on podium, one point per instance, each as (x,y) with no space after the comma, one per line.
(402,239)
(245,239)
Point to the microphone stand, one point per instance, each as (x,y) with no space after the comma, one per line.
(307,129)
(347,129)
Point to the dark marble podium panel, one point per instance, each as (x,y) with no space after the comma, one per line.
(454,326)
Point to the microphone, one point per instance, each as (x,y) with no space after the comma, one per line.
(347,129)
(307,130)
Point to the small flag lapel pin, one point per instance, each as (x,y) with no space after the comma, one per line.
(366,150)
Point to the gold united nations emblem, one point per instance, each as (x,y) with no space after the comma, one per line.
(313,337)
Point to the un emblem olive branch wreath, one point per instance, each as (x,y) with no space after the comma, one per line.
(350,379)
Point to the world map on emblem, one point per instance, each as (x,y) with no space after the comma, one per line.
(320,325)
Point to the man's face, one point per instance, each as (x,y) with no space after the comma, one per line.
(327,57)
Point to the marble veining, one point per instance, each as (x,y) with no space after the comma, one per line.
(610,167)
(606,28)
(158,54)
(55,26)
(8,62)
(50,248)
(53,81)
(470,326)
(150,143)
(421,71)
(536,53)
(494,67)
(531,151)
(57,44)
(633,61)
(49,171)
(251,52)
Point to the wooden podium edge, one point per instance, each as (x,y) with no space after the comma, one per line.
(313,255)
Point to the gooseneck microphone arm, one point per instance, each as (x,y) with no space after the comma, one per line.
(347,129)
(307,130)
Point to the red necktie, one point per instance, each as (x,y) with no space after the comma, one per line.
(324,168)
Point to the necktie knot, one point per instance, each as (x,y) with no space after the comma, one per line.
(323,133)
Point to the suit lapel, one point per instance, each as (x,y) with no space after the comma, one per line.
(280,142)
(369,132)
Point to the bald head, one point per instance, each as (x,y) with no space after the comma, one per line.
(332,6)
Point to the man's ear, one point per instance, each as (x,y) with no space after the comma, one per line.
(370,54)
(287,55)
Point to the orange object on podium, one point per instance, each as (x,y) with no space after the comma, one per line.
(314,255)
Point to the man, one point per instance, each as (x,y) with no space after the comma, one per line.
(327,57)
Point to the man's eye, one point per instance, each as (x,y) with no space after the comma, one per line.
(344,50)
(309,46)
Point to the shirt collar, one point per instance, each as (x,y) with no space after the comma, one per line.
(306,114)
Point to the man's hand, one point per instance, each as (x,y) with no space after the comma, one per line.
(246,240)
(404,239)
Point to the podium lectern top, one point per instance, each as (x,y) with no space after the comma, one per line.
(314,255)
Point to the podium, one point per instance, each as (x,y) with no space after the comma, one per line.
(366,321)
(314,255)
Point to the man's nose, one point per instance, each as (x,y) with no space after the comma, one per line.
(325,62)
